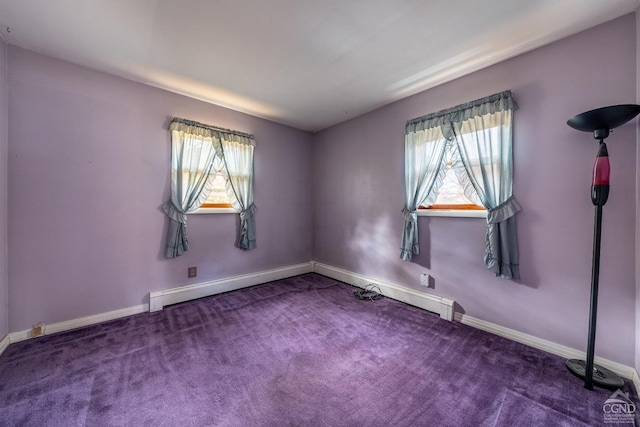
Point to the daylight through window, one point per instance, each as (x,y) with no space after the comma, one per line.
(218,197)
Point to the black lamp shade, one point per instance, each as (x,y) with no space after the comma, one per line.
(604,118)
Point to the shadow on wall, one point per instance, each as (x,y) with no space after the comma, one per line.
(470,233)
(423,259)
(372,243)
(373,248)
(528,273)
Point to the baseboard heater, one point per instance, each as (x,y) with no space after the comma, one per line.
(433,303)
(160,299)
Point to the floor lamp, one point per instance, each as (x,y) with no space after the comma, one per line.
(600,122)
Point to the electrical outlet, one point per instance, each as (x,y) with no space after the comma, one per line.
(425,279)
(192,272)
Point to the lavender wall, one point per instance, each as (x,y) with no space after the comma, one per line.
(359,195)
(4,291)
(89,171)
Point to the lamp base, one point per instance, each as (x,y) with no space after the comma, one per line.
(602,377)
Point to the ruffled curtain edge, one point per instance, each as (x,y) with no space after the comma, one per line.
(479,107)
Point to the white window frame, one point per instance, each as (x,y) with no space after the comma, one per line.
(453,213)
(201,211)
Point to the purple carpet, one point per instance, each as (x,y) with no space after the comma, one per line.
(296,352)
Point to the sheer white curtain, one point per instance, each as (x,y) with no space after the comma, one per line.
(483,160)
(423,156)
(194,150)
(237,154)
(485,143)
(192,155)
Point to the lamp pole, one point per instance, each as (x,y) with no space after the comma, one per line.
(600,122)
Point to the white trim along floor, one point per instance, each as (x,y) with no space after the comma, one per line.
(439,305)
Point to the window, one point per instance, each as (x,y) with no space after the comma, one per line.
(218,197)
(199,154)
(474,140)
(450,198)
(451,194)
(218,200)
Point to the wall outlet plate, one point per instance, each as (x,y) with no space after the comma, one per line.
(425,279)
(192,272)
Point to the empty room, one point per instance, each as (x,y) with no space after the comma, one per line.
(319,213)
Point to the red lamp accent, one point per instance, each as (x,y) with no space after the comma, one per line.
(601,171)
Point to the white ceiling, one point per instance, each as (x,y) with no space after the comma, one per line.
(305,63)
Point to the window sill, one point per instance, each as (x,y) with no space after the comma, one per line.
(453,213)
(213,211)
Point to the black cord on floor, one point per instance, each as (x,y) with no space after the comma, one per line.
(371,292)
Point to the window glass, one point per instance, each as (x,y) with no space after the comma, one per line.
(218,197)
(450,195)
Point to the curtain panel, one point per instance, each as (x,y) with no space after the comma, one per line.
(194,148)
(424,154)
(481,132)
(236,152)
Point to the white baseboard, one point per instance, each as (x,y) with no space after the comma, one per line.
(68,325)
(548,346)
(429,302)
(444,307)
(4,343)
(163,298)
(160,299)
